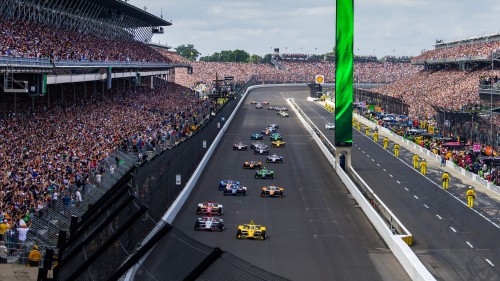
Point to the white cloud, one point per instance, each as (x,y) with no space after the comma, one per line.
(381,26)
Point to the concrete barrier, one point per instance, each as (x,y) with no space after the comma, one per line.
(397,243)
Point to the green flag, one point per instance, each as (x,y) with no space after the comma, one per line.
(344,72)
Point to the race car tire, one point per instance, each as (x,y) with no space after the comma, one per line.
(234,148)
(225,192)
(219,211)
(263,235)
(196,225)
(281,194)
(238,234)
(281,161)
(198,210)
(267,161)
(256,177)
(262,194)
(272,177)
(221,227)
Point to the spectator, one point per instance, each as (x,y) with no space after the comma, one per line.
(34,257)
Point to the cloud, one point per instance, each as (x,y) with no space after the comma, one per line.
(381,26)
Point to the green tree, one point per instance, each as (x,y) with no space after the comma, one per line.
(267,59)
(188,51)
(254,59)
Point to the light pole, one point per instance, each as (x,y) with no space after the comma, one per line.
(491,100)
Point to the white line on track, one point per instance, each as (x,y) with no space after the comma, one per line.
(384,170)
(416,197)
(488,261)
(426,206)
(363,151)
(436,184)
(390,175)
(453,229)
(373,160)
(439,217)
(378,165)
(468,243)
(407,189)
(367,155)
(398,182)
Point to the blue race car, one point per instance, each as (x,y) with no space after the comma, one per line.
(223,184)
(257,136)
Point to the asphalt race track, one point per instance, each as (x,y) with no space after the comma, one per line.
(316,232)
(453,242)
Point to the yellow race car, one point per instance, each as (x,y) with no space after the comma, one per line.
(278,143)
(251,231)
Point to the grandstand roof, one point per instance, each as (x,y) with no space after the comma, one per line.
(132,11)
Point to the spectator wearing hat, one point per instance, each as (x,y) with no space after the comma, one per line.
(34,257)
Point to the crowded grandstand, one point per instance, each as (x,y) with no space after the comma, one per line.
(71,130)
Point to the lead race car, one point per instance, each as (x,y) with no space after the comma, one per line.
(225,183)
(209,208)
(251,231)
(274,159)
(240,146)
(252,165)
(209,223)
(264,174)
(272,191)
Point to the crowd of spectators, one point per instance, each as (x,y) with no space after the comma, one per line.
(450,89)
(483,49)
(21,38)
(43,153)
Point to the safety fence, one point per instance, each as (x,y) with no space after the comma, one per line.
(125,223)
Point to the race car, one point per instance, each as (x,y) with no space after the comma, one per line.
(223,184)
(267,131)
(252,165)
(276,137)
(235,190)
(264,174)
(257,136)
(209,223)
(281,109)
(257,144)
(253,102)
(270,108)
(209,208)
(263,150)
(272,191)
(240,146)
(330,126)
(278,143)
(274,159)
(274,125)
(251,231)
(265,102)
(258,106)
(283,114)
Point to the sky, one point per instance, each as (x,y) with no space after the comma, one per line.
(382,27)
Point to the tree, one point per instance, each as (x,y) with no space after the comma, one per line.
(267,59)
(188,51)
(254,59)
